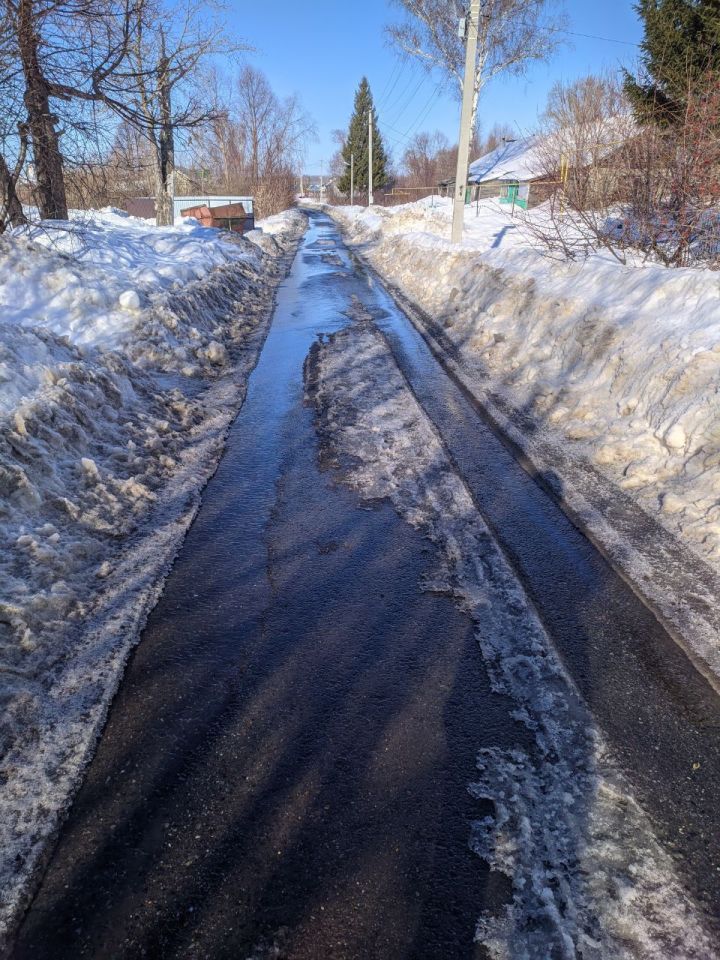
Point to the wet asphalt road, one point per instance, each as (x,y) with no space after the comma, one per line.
(287,758)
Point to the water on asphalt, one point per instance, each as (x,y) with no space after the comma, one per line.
(286,762)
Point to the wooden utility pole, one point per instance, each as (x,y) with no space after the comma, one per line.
(371,199)
(471,43)
(352,179)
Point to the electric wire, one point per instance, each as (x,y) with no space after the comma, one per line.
(384,97)
(395,115)
(389,79)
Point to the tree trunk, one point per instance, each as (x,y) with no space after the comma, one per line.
(163,195)
(11,210)
(165,154)
(47,157)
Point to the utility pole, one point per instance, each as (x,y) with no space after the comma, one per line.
(352,179)
(371,199)
(472,25)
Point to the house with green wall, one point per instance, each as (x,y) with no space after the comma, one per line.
(509,172)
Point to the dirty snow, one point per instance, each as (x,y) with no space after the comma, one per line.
(589,878)
(623,362)
(124,355)
(88,278)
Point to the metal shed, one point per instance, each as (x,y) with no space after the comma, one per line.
(208,200)
(229,216)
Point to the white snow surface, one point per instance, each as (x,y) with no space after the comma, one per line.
(589,877)
(613,366)
(124,355)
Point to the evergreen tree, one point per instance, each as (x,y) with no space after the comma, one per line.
(680,48)
(357,143)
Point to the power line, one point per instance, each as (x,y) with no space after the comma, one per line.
(591,36)
(384,96)
(396,116)
(422,116)
(394,130)
(389,80)
(391,105)
(420,119)
(570,33)
(426,109)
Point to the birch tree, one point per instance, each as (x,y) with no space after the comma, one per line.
(512,34)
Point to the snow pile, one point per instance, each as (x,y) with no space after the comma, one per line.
(589,877)
(116,392)
(620,362)
(93,274)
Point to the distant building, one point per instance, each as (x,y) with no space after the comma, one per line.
(207,200)
(143,207)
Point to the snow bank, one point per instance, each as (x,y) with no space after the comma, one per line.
(622,362)
(124,355)
(589,878)
(87,279)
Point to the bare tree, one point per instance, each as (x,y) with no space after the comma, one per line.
(673,211)
(11,210)
(588,124)
(13,132)
(130,163)
(512,34)
(85,64)
(651,190)
(167,98)
(276,130)
(257,143)
(337,161)
(66,52)
(499,133)
(421,157)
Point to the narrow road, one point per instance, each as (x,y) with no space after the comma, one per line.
(284,770)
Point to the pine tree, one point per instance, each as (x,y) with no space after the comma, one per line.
(356,143)
(680,48)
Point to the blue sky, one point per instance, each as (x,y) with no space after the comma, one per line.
(321,49)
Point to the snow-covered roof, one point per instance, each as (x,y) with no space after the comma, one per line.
(512,160)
